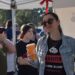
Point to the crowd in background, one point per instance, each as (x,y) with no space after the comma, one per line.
(52,53)
(9,61)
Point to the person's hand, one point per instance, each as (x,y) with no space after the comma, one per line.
(27,61)
(23,61)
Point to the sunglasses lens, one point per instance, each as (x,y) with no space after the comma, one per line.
(2,30)
(50,21)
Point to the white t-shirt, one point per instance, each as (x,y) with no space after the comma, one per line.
(10,62)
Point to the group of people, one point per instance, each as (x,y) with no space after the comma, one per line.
(54,51)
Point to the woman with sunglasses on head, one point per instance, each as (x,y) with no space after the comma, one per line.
(55,50)
(26,65)
(6,46)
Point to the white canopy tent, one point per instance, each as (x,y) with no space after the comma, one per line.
(67,18)
(30,4)
(64,8)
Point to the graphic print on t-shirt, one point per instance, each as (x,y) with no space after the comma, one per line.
(53,60)
(53,57)
(53,50)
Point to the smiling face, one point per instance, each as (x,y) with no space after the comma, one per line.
(50,23)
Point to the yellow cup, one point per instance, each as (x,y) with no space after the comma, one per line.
(31,51)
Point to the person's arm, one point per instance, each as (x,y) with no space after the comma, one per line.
(7,43)
(22,58)
(23,61)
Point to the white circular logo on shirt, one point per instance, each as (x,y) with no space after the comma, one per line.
(53,50)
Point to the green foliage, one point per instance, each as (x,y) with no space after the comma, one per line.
(24,16)
(42,10)
(2,17)
(27,16)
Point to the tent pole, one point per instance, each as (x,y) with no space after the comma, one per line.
(14,25)
(13,10)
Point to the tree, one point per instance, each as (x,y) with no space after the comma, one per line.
(2,17)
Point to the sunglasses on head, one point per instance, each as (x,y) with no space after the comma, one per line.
(49,21)
(2,30)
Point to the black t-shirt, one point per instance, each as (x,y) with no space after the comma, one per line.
(21,51)
(53,61)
